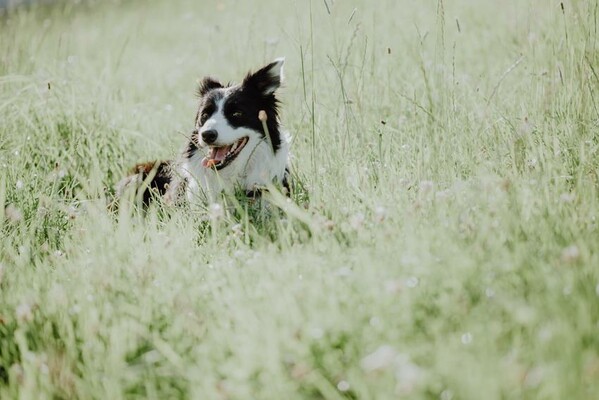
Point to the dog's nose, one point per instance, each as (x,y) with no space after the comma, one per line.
(209,136)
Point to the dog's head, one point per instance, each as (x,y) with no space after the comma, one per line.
(228,122)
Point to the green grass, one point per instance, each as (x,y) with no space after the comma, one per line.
(448,249)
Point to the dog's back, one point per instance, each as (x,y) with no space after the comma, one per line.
(148,180)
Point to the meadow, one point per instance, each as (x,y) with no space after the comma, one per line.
(441,241)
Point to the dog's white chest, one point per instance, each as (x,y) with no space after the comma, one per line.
(256,167)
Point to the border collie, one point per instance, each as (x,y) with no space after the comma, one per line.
(237,143)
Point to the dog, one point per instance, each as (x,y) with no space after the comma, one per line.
(237,143)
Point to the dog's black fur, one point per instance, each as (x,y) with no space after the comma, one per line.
(230,112)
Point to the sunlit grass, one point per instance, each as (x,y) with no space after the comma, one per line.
(441,242)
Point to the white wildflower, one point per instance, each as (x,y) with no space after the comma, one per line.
(380,213)
(343,386)
(24,313)
(426,186)
(567,198)
(412,282)
(316,333)
(216,211)
(13,214)
(357,221)
(237,230)
(407,374)
(380,359)
(570,254)
(467,338)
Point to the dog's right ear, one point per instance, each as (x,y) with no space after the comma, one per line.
(207,84)
(267,79)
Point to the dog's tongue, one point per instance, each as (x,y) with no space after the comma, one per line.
(217,154)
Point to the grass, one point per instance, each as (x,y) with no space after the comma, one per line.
(443,239)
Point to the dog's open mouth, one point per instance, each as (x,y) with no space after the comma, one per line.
(219,157)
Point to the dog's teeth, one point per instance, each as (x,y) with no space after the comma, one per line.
(233,147)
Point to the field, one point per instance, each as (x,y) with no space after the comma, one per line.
(441,242)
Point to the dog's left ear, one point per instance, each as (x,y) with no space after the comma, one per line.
(207,84)
(267,79)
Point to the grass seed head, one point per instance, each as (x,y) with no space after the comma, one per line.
(262,116)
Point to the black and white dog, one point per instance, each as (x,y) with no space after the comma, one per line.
(237,143)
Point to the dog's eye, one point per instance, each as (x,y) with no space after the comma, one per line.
(204,117)
(237,114)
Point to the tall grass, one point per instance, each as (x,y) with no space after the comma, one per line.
(441,242)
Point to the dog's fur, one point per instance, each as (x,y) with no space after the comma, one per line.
(227,121)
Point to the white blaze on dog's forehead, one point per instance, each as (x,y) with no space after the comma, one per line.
(217,119)
(220,105)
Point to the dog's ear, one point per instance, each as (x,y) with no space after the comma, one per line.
(207,84)
(267,79)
